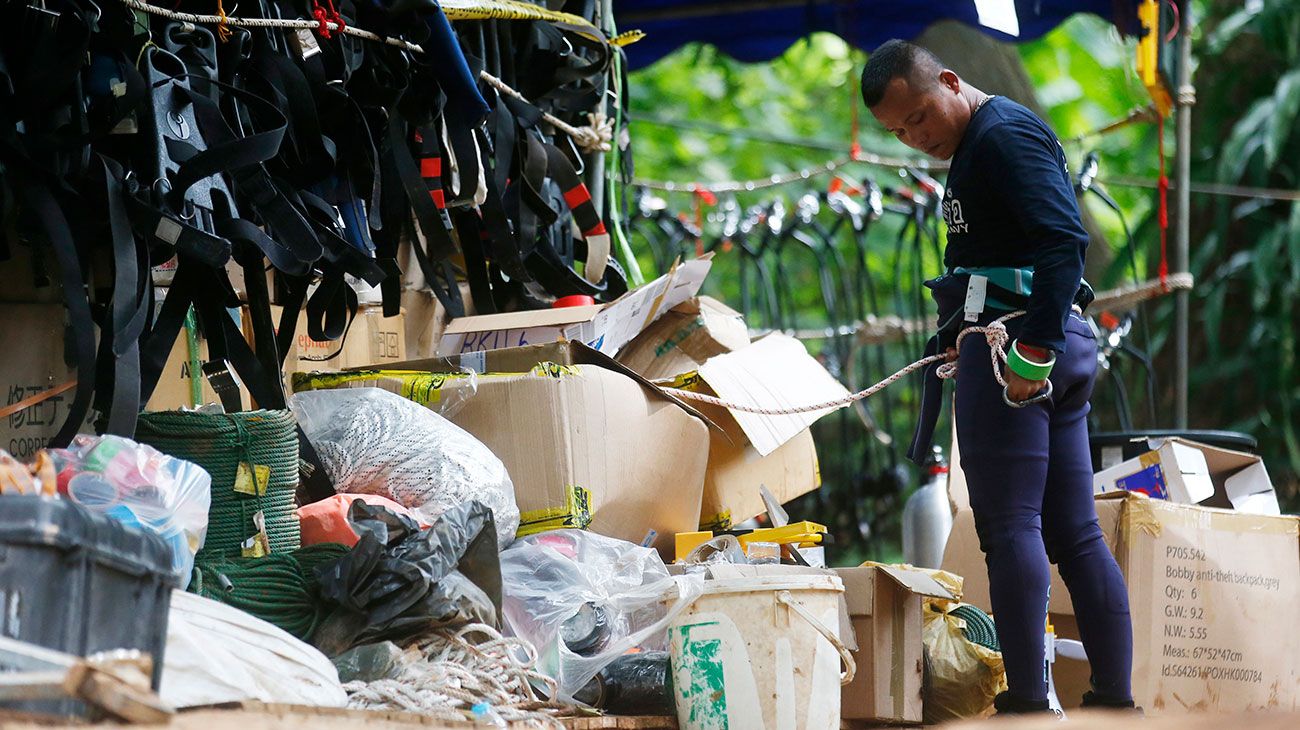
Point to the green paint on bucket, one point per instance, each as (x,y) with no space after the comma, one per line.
(704,689)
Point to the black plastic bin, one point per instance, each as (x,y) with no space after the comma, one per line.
(80,582)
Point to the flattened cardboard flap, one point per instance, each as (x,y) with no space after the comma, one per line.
(917,581)
(605,327)
(774,372)
(860,584)
(523,320)
(1250,490)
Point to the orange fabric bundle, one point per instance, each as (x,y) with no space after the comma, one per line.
(327,520)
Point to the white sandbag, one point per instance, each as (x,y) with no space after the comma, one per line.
(216,653)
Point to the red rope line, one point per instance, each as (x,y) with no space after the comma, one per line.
(1162,186)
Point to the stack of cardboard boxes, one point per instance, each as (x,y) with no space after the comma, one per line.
(1214,593)
(591,442)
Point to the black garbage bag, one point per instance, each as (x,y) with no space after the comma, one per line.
(400,581)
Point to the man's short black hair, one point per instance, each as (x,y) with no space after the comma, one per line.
(897,59)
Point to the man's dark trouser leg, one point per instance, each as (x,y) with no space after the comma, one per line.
(1030,480)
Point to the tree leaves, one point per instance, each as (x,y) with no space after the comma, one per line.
(1286,103)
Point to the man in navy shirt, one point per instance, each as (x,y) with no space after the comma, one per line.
(1015,243)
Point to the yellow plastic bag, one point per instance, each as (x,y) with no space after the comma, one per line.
(964,677)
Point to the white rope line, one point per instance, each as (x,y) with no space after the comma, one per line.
(1126,296)
(995,333)
(879,330)
(596,136)
(450,672)
(295,24)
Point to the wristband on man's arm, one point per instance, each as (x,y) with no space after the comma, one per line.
(1019,362)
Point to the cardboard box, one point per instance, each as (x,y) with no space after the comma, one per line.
(1189,473)
(35,331)
(884,604)
(731,483)
(603,327)
(773,372)
(30,279)
(371,340)
(685,338)
(426,319)
(1214,597)
(587,442)
(751,449)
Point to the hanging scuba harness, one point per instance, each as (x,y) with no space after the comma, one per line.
(316,155)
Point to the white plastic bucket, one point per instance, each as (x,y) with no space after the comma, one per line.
(761,654)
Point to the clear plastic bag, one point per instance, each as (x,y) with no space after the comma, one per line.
(375,442)
(139,485)
(583,600)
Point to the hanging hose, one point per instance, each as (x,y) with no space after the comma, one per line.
(220,442)
(281,589)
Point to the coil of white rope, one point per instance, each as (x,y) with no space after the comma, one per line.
(454,674)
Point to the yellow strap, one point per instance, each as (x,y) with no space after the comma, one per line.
(513,10)
(627,39)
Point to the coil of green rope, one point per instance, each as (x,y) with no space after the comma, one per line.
(281,589)
(980,628)
(220,442)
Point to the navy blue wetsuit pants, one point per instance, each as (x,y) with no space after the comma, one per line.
(1029,473)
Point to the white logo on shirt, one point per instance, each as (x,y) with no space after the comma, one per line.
(952,214)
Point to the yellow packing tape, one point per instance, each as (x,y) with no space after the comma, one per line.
(575,514)
(721,522)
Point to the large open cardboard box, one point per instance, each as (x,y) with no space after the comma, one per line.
(586,442)
(685,338)
(884,604)
(1214,597)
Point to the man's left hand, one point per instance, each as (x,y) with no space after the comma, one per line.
(1019,389)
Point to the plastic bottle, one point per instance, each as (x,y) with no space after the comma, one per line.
(1049,658)
(927,517)
(485,716)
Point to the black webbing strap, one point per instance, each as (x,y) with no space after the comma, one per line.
(225,151)
(433,222)
(331,308)
(129,308)
(295,296)
(469,228)
(42,203)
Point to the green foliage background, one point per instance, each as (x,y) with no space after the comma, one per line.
(797,112)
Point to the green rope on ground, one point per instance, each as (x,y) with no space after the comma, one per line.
(219,442)
(281,589)
(979,626)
